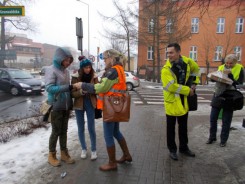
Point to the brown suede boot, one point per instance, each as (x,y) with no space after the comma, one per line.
(52,160)
(126,155)
(66,157)
(112,164)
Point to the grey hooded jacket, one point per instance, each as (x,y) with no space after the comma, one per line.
(57,82)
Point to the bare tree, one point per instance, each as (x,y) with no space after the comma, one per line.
(21,23)
(119,45)
(163,22)
(124,29)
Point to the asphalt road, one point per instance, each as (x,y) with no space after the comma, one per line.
(18,107)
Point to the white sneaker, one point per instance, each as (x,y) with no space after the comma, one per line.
(84,154)
(93,155)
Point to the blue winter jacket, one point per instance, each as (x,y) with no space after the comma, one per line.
(57,82)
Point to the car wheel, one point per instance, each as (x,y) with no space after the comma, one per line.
(129,86)
(14,91)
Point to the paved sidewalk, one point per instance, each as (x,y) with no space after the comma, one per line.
(146,137)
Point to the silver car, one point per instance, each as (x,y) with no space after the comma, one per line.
(131,80)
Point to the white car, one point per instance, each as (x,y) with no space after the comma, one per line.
(131,80)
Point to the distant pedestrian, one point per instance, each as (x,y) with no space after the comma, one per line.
(235,73)
(113,83)
(85,102)
(179,79)
(57,81)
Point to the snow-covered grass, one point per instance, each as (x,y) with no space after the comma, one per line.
(25,153)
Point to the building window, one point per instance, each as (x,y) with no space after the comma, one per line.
(151,25)
(218,53)
(239,25)
(220,25)
(193,53)
(150,53)
(238,52)
(169,26)
(194,25)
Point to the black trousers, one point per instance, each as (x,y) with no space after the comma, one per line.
(182,130)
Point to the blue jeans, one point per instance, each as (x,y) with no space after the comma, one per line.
(112,129)
(88,107)
(226,123)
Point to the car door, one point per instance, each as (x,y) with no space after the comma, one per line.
(4,80)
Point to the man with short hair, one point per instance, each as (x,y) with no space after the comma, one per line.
(179,79)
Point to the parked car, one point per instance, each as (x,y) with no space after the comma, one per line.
(19,82)
(131,80)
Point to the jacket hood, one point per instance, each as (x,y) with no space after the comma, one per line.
(61,54)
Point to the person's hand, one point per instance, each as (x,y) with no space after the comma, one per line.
(192,92)
(77,85)
(193,86)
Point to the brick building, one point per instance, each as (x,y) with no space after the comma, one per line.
(207,36)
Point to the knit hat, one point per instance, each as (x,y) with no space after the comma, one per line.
(80,58)
(85,62)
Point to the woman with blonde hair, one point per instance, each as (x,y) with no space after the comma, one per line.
(113,83)
(235,73)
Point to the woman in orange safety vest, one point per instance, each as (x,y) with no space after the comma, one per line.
(112,83)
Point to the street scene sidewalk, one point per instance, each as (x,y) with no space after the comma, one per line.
(146,137)
(26,158)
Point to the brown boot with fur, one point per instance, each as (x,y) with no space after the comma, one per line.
(112,165)
(52,160)
(66,157)
(126,155)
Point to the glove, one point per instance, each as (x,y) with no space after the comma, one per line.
(230,76)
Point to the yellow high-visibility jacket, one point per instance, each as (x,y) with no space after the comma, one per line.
(172,90)
(235,70)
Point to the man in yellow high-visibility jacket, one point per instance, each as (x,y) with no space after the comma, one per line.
(179,79)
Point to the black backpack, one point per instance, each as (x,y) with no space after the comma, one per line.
(233,99)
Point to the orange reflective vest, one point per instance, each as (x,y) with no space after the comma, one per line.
(117,89)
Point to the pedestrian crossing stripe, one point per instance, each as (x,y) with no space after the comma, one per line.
(153,102)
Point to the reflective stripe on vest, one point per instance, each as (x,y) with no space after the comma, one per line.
(117,89)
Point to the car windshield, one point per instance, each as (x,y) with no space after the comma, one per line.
(20,74)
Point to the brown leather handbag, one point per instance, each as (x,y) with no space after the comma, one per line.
(116,108)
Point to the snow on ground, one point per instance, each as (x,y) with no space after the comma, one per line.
(26,153)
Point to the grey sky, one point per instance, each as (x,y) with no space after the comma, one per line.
(56,21)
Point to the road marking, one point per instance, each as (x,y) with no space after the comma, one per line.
(150,96)
(155,103)
(138,102)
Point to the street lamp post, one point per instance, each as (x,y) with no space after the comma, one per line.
(88,26)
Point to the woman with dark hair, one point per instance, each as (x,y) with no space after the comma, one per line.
(85,102)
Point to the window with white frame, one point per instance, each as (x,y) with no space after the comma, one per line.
(238,52)
(151,25)
(150,53)
(239,25)
(193,53)
(169,26)
(194,25)
(218,53)
(220,25)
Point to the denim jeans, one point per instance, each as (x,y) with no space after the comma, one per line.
(89,109)
(226,123)
(111,129)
